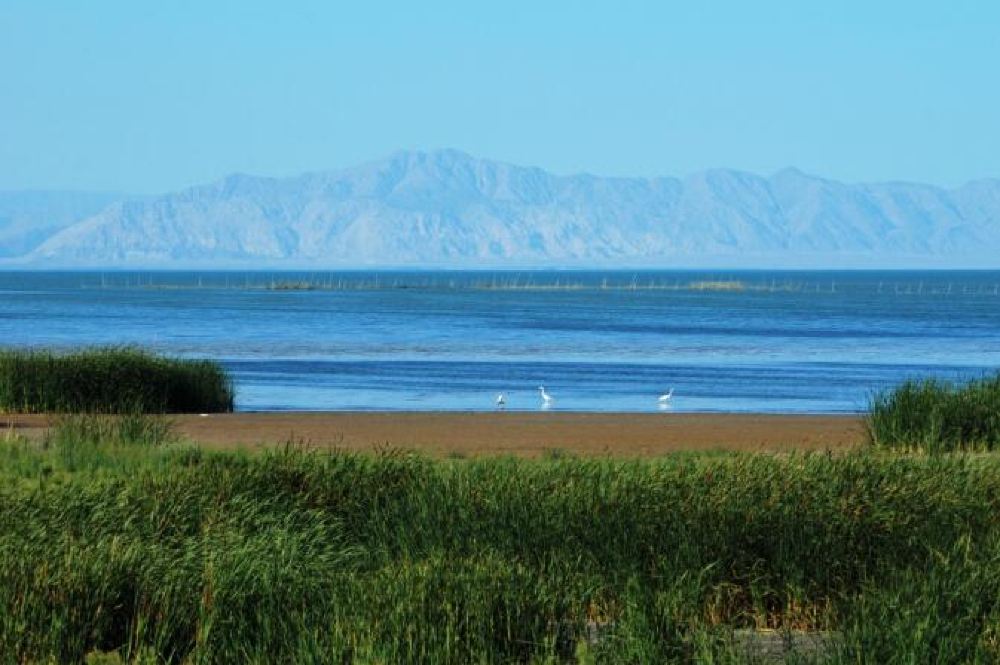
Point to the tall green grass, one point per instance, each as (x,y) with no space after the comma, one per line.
(110,380)
(162,553)
(937,416)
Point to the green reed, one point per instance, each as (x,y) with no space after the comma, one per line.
(110,380)
(937,415)
(167,553)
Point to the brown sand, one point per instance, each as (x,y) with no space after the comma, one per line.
(523,434)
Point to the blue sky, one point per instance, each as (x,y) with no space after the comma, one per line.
(149,96)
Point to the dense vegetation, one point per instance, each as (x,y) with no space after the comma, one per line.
(110,380)
(938,416)
(114,539)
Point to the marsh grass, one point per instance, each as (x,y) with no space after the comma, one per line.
(147,551)
(111,430)
(93,443)
(937,416)
(110,380)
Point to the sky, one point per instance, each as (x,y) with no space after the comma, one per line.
(148,97)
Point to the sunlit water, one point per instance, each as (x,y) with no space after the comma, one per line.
(734,341)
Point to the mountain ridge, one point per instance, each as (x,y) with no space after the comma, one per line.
(448,209)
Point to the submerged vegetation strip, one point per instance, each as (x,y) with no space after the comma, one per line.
(110,380)
(115,541)
(779,282)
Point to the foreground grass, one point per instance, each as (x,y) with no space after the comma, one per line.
(110,380)
(126,544)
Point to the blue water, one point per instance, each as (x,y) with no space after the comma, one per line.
(817,342)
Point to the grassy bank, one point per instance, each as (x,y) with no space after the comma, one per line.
(122,542)
(110,380)
(937,416)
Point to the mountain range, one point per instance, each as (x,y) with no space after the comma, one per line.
(448,209)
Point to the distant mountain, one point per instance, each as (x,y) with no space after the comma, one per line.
(28,218)
(446,208)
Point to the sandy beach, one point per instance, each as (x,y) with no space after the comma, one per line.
(512,433)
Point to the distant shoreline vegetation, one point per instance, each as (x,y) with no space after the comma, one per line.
(939,284)
(882,284)
(110,380)
(516,284)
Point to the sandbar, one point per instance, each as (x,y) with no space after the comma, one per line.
(525,434)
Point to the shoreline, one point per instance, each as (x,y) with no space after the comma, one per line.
(519,433)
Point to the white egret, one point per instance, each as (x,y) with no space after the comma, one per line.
(665,397)
(501,401)
(547,399)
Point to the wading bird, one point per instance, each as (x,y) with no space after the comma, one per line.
(546,398)
(665,397)
(501,401)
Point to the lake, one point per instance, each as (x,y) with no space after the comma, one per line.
(733,341)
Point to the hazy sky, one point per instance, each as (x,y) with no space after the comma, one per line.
(147,96)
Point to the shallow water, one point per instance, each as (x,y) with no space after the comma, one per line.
(736,341)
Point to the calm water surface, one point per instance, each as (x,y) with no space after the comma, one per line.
(612,341)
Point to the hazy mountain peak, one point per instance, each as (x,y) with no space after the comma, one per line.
(440,156)
(791,174)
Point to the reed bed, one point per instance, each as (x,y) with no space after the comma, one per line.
(506,281)
(780,282)
(135,551)
(937,416)
(110,380)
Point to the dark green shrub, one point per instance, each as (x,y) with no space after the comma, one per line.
(937,416)
(110,380)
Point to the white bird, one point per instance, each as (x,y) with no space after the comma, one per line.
(501,401)
(546,398)
(665,397)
